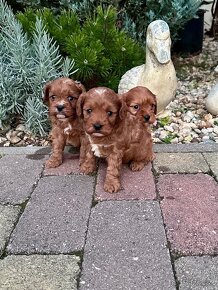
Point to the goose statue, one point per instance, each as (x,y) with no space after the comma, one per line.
(158,73)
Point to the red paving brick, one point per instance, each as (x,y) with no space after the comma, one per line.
(70,165)
(190,211)
(135,185)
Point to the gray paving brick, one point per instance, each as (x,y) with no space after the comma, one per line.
(55,219)
(39,150)
(18,174)
(180,163)
(8,217)
(38,272)
(197,273)
(126,248)
(212,159)
(189,147)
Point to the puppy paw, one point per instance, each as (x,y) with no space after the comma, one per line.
(137,165)
(87,168)
(53,162)
(112,187)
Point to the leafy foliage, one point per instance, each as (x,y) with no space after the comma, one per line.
(24,68)
(101,52)
(136,15)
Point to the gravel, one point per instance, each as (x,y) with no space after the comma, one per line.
(187,120)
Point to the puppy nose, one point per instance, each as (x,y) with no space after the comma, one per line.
(146,118)
(60,108)
(97,126)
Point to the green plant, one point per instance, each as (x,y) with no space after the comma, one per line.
(169,138)
(101,52)
(164,121)
(137,14)
(24,68)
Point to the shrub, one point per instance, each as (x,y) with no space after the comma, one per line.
(101,52)
(25,66)
(136,15)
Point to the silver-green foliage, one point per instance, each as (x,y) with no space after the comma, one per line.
(25,66)
(175,12)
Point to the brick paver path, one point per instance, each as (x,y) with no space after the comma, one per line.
(60,230)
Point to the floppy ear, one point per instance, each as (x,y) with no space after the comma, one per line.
(46,92)
(123,107)
(155,108)
(79,105)
(80,86)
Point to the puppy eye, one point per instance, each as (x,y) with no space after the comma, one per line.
(110,113)
(71,98)
(89,111)
(52,97)
(136,107)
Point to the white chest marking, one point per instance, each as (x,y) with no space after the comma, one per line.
(95,150)
(68,129)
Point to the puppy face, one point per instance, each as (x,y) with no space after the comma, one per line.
(141,102)
(101,110)
(61,96)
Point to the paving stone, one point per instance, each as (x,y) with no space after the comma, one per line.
(212,159)
(180,163)
(189,147)
(189,207)
(55,219)
(55,272)
(197,273)
(39,150)
(126,248)
(8,216)
(70,165)
(19,174)
(135,185)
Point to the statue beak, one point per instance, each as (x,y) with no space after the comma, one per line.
(162,51)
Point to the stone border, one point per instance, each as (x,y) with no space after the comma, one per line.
(164,148)
(186,148)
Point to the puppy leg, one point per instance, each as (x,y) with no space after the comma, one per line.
(87,159)
(147,156)
(58,144)
(112,181)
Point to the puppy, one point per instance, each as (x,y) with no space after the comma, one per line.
(103,115)
(61,96)
(142,109)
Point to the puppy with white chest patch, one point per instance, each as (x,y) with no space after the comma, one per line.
(61,96)
(103,115)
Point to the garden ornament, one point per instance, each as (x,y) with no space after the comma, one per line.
(211,101)
(158,73)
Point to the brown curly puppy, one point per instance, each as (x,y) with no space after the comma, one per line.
(61,96)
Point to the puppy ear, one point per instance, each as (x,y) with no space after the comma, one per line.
(79,105)
(80,86)
(155,108)
(123,107)
(46,92)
